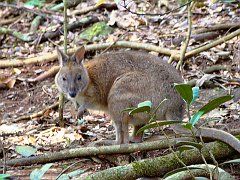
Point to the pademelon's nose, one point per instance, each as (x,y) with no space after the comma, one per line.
(72,94)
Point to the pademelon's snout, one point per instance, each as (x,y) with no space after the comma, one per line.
(72,94)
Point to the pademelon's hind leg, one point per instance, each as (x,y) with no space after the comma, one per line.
(136,137)
(127,91)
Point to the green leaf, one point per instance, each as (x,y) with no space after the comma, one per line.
(195,92)
(185,92)
(184,148)
(37,174)
(71,174)
(194,119)
(26,150)
(200,178)
(142,107)
(64,177)
(187,126)
(4,176)
(231,161)
(159,105)
(38,3)
(210,120)
(215,103)
(189,143)
(180,170)
(127,110)
(145,103)
(96,32)
(158,124)
(100,2)
(209,107)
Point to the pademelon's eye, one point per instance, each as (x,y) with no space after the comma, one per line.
(79,77)
(64,79)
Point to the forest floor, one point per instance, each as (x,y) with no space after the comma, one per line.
(22,98)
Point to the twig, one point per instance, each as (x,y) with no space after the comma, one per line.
(213,44)
(49,73)
(185,44)
(9,21)
(217,27)
(34,115)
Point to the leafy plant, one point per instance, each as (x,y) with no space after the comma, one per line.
(189,95)
(26,150)
(37,174)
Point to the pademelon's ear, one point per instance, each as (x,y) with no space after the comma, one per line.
(79,54)
(61,57)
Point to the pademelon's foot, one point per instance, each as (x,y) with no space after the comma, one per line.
(136,139)
(81,113)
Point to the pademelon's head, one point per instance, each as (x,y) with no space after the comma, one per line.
(72,77)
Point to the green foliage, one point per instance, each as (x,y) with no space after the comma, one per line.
(180,170)
(38,3)
(142,107)
(209,107)
(185,92)
(189,95)
(189,143)
(96,31)
(197,169)
(231,162)
(4,176)
(25,150)
(37,174)
(158,124)
(103,1)
(71,174)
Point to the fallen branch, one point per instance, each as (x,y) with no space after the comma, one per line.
(159,166)
(49,73)
(125,44)
(49,57)
(93,151)
(217,27)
